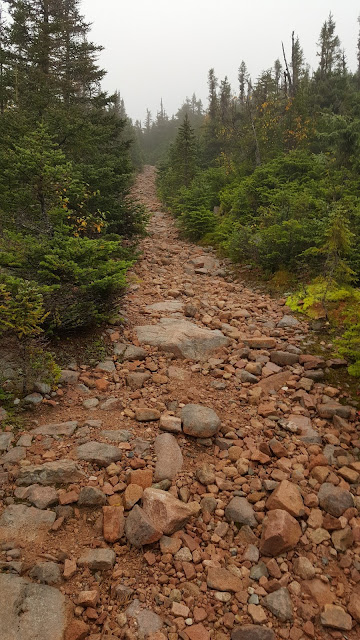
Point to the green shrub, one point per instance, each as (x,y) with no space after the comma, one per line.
(196,224)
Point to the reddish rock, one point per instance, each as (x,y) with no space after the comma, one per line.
(143,414)
(70,568)
(354,606)
(253,632)
(281,532)
(197,632)
(133,493)
(263,342)
(287,497)
(169,513)
(113,523)
(335,617)
(142,477)
(319,591)
(88,598)
(222,580)
(77,630)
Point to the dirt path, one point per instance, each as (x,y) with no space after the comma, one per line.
(261,512)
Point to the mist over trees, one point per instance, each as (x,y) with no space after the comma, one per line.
(276,178)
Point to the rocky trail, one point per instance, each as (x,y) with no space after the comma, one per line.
(202,482)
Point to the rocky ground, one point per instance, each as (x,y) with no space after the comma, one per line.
(203,482)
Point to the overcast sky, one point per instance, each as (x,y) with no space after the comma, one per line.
(164,48)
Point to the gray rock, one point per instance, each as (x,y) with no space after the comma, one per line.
(134,353)
(107,366)
(240,511)
(50,473)
(258,571)
(283,358)
(5,441)
(91,497)
(33,398)
(206,474)
(169,457)
(208,504)
(25,523)
(288,321)
(46,572)
(122,435)
(245,376)
(90,403)
(3,414)
(140,529)
(98,452)
(147,622)
(14,455)
(25,440)
(69,377)
(56,429)
(119,349)
(98,559)
(252,632)
(182,338)
(30,611)
(111,404)
(42,387)
(42,497)
(168,306)
(334,500)
(199,421)
(279,603)
(137,379)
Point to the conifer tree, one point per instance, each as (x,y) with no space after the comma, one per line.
(329,48)
(184,153)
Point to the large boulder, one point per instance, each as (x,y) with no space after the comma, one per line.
(19,522)
(30,611)
(182,338)
(49,473)
(199,421)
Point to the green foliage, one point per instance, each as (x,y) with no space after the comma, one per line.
(21,307)
(196,224)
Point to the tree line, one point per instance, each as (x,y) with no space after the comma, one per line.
(271,177)
(67,221)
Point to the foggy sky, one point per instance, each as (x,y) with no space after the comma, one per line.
(164,48)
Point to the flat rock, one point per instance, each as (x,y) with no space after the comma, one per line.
(240,511)
(5,441)
(91,497)
(134,353)
(168,306)
(288,321)
(30,611)
(252,632)
(223,580)
(169,513)
(98,559)
(274,382)
(199,421)
(121,435)
(50,473)
(144,414)
(42,497)
(98,452)
(46,572)
(334,500)
(171,424)
(14,455)
(335,617)
(56,429)
(169,457)
(25,523)
(182,338)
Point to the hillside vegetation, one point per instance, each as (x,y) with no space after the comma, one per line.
(271,177)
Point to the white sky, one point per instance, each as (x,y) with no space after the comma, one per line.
(164,48)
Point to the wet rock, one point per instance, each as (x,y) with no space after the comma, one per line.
(281,532)
(140,529)
(169,457)
(240,511)
(169,513)
(280,605)
(50,473)
(199,421)
(334,500)
(252,632)
(98,559)
(98,452)
(56,429)
(287,497)
(182,338)
(91,497)
(223,580)
(25,523)
(46,572)
(30,610)
(335,617)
